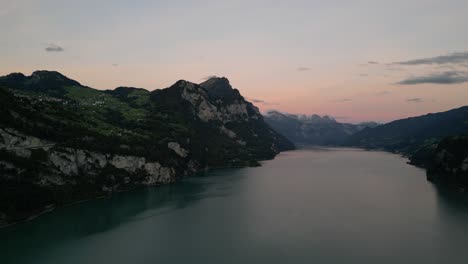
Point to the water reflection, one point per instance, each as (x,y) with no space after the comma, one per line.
(306,206)
(452,223)
(452,201)
(101,215)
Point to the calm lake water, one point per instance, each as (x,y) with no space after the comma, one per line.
(306,206)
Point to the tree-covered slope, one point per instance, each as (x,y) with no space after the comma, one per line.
(407,134)
(446,161)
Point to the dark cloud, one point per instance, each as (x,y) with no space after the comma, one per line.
(209,77)
(301,69)
(342,117)
(115,64)
(453,58)
(54,48)
(262,102)
(414,100)
(257,101)
(448,77)
(369,63)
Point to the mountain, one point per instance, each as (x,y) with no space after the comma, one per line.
(437,142)
(62,142)
(406,134)
(313,129)
(448,162)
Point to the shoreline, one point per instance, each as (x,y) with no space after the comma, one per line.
(51,208)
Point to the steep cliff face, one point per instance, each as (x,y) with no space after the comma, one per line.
(61,142)
(63,165)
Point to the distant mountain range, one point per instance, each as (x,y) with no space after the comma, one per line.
(313,129)
(61,141)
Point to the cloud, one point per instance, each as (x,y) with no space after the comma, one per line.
(344,100)
(342,117)
(115,64)
(363,74)
(257,101)
(54,48)
(453,58)
(301,69)
(383,92)
(415,100)
(369,63)
(209,77)
(262,102)
(448,77)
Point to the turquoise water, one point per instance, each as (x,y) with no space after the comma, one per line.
(306,206)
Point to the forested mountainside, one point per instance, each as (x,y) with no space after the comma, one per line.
(437,142)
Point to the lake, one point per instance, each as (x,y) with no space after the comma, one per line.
(305,206)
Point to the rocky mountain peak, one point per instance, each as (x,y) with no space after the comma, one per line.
(220,88)
(273,114)
(217,82)
(184,84)
(315,119)
(52,77)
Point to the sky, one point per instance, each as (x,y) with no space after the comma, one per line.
(367,60)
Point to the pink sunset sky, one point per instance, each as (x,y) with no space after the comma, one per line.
(354,60)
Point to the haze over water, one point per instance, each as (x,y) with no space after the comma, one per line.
(305,206)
